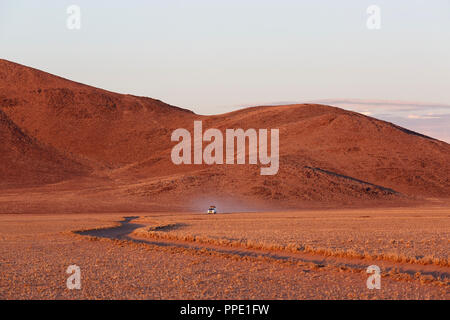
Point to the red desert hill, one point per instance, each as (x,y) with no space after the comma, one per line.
(326,154)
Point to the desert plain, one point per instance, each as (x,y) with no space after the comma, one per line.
(312,254)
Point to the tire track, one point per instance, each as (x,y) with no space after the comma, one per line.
(125,230)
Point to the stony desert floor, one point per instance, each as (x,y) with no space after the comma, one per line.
(321,254)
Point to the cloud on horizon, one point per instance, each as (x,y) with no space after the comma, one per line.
(430,119)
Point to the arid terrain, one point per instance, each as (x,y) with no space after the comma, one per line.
(165,255)
(86,178)
(79,142)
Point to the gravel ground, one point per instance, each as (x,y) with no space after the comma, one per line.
(35,251)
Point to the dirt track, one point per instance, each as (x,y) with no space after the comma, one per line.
(35,251)
(127,227)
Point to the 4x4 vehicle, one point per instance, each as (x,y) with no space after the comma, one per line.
(212,210)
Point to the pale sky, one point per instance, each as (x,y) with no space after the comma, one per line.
(213,56)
